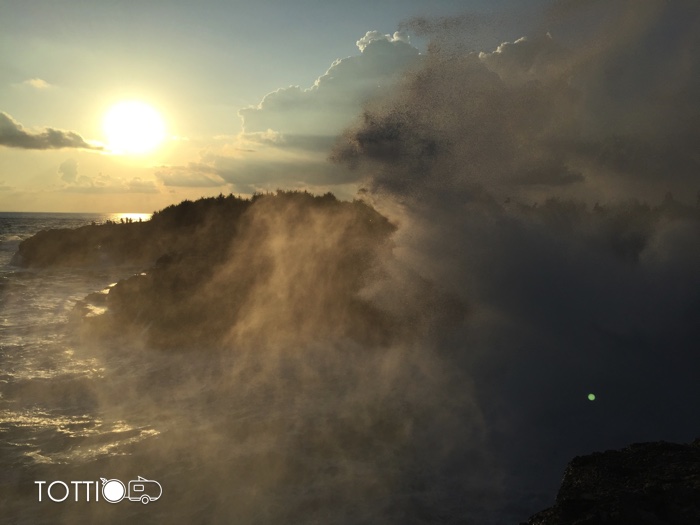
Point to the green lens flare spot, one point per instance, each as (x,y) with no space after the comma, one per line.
(591,397)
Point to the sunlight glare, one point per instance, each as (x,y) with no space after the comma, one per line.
(130,217)
(133,128)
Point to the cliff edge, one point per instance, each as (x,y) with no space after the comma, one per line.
(643,484)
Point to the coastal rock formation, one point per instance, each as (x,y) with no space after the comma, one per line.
(643,484)
(204,272)
(300,259)
(203,225)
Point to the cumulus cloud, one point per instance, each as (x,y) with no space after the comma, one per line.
(527,59)
(334,99)
(13,135)
(375,36)
(288,136)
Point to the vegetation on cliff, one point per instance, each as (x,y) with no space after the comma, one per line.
(210,263)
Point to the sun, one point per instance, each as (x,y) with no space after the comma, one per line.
(133,127)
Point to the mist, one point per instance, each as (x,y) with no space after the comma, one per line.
(551,186)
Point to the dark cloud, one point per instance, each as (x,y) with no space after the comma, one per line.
(459,120)
(621,104)
(13,135)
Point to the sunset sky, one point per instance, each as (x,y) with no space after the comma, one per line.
(132,106)
(206,69)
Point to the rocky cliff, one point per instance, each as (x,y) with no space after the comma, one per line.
(208,269)
(643,484)
(203,226)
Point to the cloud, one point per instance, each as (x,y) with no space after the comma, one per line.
(13,135)
(37,83)
(282,172)
(294,141)
(610,114)
(441,27)
(137,185)
(194,175)
(375,36)
(459,34)
(106,184)
(459,118)
(335,98)
(268,169)
(288,136)
(68,170)
(527,59)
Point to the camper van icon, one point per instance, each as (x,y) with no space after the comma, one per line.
(139,489)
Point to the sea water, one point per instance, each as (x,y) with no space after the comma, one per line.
(49,414)
(43,405)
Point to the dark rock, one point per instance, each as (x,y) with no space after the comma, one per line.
(203,226)
(93,245)
(277,269)
(643,484)
(207,276)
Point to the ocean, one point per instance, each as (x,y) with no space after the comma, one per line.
(50,416)
(42,411)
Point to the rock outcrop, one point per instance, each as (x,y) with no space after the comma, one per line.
(289,265)
(202,226)
(643,484)
(278,269)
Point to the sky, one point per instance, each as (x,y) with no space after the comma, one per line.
(258,96)
(201,66)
